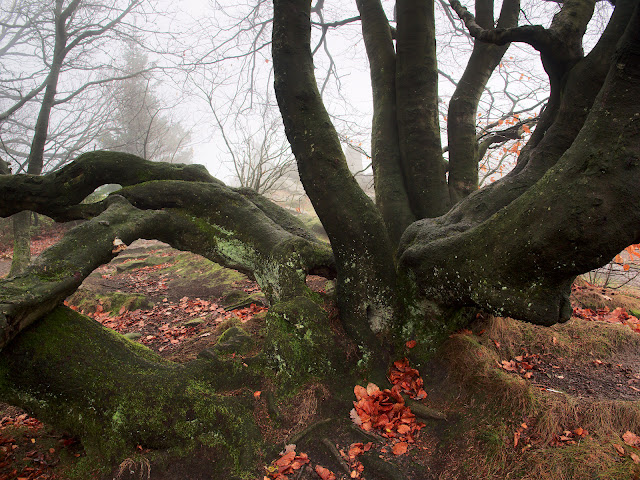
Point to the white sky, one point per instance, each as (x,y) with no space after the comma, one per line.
(352,103)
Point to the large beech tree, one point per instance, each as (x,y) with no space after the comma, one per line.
(413,265)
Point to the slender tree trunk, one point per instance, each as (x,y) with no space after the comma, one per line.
(462,119)
(391,194)
(417,99)
(362,248)
(21,223)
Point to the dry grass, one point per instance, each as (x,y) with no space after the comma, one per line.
(591,296)
(138,468)
(576,338)
(500,401)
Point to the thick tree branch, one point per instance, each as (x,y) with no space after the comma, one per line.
(239,230)
(55,194)
(417,109)
(354,226)
(464,153)
(560,45)
(535,35)
(60,270)
(391,194)
(542,152)
(522,260)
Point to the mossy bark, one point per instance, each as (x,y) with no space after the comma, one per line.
(549,143)
(204,217)
(114,394)
(59,194)
(21,224)
(360,242)
(522,260)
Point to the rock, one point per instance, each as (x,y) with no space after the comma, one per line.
(234,339)
(236,299)
(194,322)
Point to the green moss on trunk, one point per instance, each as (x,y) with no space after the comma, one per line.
(114,394)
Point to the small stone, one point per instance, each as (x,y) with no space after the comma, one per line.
(194,322)
(234,339)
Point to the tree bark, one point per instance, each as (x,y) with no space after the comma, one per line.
(541,153)
(462,114)
(115,394)
(36,154)
(522,260)
(21,224)
(210,219)
(417,109)
(391,194)
(360,243)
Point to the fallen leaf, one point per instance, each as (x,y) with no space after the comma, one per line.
(286,459)
(631,439)
(411,343)
(372,389)
(619,448)
(355,418)
(400,448)
(256,394)
(360,392)
(325,473)
(634,457)
(404,429)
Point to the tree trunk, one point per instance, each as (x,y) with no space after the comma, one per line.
(360,243)
(115,394)
(21,224)
(391,194)
(417,109)
(542,152)
(522,261)
(512,249)
(462,115)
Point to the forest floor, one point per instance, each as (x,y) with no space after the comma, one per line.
(504,399)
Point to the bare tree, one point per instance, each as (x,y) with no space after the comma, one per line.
(140,124)
(67,37)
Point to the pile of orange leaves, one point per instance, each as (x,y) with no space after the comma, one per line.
(385,411)
(287,464)
(407,378)
(351,457)
(619,315)
(522,364)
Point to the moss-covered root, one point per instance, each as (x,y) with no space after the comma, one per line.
(114,394)
(298,344)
